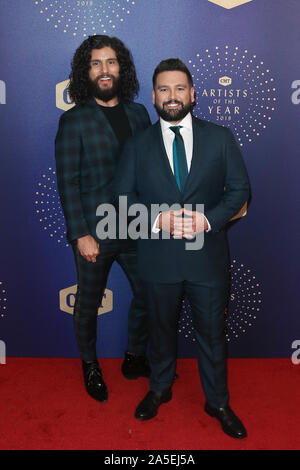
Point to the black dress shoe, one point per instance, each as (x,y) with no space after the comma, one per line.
(148,407)
(135,366)
(231,424)
(94,383)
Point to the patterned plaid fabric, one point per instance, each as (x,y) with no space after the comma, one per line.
(92,278)
(86,152)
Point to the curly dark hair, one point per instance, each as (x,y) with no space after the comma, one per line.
(79,76)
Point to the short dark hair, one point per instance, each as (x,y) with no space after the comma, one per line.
(169,65)
(79,77)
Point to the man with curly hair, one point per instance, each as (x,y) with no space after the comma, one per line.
(90,136)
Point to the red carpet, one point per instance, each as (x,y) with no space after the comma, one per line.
(44,406)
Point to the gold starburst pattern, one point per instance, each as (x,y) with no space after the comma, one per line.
(3,300)
(84,17)
(48,208)
(234,88)
(243,308)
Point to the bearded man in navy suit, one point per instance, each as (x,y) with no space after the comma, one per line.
(185,161)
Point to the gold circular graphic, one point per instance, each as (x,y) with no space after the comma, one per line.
(243,307)
(48,208)
(84,17)
(234,88)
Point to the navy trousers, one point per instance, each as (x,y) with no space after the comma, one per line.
(164,303)
(92,279)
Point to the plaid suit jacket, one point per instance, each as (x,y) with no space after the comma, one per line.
(86,153)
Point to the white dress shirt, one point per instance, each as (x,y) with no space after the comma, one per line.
(186,132)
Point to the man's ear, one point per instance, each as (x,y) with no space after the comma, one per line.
(192,95)
(153,97)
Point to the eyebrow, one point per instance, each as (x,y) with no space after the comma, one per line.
(100,60)
(167,86)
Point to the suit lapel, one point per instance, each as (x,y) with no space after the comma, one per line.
(193,176)
(195,169)
(161,151)
(133,117)
(100,117)
(104,124)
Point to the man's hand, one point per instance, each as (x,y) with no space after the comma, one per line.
(191,224)
(88,248)
(182,223)
(167,220)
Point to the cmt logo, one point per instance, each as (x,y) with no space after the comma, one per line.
(2,92)
(229,3)
(67,300)
(62,96)
(296,95)
(225,81)
(296,354)
(2,352)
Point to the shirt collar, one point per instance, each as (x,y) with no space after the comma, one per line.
(185,122)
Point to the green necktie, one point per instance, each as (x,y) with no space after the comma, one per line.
(179,158)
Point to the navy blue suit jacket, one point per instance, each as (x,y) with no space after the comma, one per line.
(217,178)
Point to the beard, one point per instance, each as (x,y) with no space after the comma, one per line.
(104,94)
(173,115)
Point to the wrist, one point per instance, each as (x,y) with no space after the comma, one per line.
(159,222)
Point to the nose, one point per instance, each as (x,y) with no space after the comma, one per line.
(172,94)
(104,67)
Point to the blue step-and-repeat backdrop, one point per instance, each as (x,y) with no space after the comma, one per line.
(244,58)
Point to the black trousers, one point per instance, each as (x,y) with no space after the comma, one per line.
(92,279)
(164,303)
